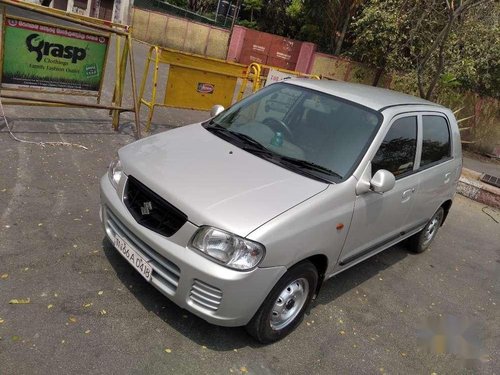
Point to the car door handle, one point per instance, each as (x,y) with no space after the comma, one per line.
(447,177)
(407,195)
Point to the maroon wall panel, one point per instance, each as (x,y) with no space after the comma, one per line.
(269,49)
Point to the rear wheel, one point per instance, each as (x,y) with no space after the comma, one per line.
(423,239)
(284,307)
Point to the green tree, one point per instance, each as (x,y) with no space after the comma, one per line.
(418,36)
(201,6)
(252,6)
(381,31)
(275,19)
(327,22)
(179,3)
(431,58)
(475,57)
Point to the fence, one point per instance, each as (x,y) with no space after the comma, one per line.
(180,34)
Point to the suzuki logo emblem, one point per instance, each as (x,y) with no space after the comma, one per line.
(146,208)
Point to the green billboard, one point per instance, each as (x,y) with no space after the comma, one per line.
(43,56)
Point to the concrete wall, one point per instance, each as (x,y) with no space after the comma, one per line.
(484,126)
(340,69)
(181,34)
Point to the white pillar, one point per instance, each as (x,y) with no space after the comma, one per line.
(121,9)
(89,5)
(69,7)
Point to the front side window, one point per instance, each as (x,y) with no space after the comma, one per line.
(303,130)
(397,152)
(435,140)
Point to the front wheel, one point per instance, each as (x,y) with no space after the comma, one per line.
(284,307)
(421,241)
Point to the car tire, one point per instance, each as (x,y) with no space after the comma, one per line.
(421,241)
(284,307)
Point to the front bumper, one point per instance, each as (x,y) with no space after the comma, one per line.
(215,293)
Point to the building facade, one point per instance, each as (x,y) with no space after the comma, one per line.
(109,10)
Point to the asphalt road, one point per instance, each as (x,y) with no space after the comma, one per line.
(482,164)
(90,313)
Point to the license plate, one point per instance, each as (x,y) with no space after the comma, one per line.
(133,257)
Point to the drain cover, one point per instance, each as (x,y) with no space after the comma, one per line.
(492,180)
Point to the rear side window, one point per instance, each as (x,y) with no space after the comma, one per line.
(397,152)
(435,140)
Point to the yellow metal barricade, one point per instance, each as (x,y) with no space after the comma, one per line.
(198,82)
(193,81)
(255,74)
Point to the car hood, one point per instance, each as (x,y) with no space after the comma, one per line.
(214,182)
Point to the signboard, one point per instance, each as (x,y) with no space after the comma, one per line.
(276,76)
(46,57)
(197,89)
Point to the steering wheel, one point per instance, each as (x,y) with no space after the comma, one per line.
(271,120)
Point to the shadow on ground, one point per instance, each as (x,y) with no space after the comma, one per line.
(224,338)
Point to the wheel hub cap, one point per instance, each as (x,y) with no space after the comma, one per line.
(289,303)
(431,229)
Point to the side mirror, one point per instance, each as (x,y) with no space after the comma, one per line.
(382,181)
(216,109)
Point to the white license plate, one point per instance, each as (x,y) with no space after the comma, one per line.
(133,257)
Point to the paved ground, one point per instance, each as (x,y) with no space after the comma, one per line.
(88,312)
(482,164)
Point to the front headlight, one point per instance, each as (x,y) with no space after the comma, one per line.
(115,172)
(227,248)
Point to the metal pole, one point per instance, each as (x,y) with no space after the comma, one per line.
(235,15)
(217,11)
(134,88)
(225,18)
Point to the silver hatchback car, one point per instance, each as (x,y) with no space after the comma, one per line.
(242,218)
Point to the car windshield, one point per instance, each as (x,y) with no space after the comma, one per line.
(304,130)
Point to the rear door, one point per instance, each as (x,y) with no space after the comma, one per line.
(379,219)
(437,169)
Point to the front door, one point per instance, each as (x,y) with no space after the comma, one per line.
(379,219)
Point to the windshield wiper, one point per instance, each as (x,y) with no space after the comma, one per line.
(247,140)
(255,147)
(309,165)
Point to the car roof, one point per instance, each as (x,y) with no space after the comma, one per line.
(372,97)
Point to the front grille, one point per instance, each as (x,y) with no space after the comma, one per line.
(165,273)
(151,210)
(205,296)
